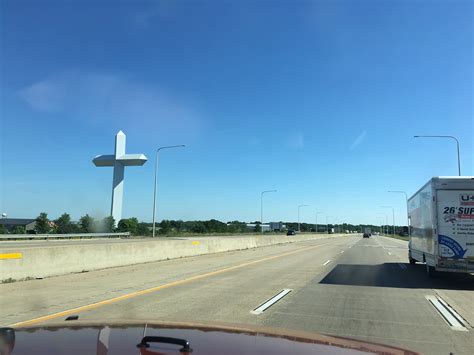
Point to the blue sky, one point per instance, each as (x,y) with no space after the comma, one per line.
(319,100)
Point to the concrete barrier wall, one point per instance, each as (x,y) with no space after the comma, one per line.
(39,261)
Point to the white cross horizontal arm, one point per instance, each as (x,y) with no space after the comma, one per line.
(104,160)
(132,159)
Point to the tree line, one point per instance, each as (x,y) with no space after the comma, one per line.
(87,224)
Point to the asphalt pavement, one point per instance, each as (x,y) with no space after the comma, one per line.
(346,286)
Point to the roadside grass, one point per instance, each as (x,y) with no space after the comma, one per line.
(396,236)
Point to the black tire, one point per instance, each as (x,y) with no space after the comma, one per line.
(411,260)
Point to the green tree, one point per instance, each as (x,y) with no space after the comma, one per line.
(177,226)
(19,230)
(164,227)
(215,226)
(198,227)
(42,223)
(257,228)
(63,224)
(143,229)
(237,227)
(3,230)
(128,225)
(108,224)
(86,224)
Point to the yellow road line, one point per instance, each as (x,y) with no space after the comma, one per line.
(195,242)
(11,256)
(154,289)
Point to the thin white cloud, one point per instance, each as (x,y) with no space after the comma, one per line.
(109,99)
(296,141)
(43,96)
(145,18)
(358,140)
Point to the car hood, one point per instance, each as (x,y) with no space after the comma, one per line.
(78,337)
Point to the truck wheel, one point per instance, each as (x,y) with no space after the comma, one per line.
(411,260)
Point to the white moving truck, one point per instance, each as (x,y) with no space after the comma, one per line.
(441,216)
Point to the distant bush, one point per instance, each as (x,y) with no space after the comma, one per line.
(19,230)
(86,224)
(63,224)
(43,225)
(128,225)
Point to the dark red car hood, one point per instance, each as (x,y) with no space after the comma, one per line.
(121,338)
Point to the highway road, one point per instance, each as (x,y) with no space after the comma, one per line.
(346,286)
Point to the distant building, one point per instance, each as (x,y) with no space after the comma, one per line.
(269,227)
(11,223)
(251,226)
(277,226)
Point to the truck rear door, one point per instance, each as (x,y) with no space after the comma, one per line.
(455,209)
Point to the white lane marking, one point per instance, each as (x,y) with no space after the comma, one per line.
(342,251)
(402,266)
(265,305)
(455,321)
(383,247)
(327,262)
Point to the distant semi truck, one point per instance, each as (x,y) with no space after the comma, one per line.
(441,218)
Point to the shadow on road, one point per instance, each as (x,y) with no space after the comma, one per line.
(395,275)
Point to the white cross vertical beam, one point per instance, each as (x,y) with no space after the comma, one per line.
(119,161)
(119,170)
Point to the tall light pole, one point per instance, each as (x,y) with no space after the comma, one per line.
(299,206)
(386,221)
(261,207)
(155,182)
(393,216)
(457,145)
(381,223)
(317,220)
(406,200)
(327,224)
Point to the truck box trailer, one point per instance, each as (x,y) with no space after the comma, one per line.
(441,216)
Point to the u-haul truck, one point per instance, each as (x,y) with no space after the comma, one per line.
(441,216)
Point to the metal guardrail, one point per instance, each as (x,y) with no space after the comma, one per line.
(63,236)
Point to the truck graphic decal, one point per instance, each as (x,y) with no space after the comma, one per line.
(454,246)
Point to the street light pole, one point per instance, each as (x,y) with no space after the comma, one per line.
(393,216)
(327,224)
(379,218)
(299,206)
(386,222)
(155,182)
(406,200)
(261,207)
(457,146)
(317,220)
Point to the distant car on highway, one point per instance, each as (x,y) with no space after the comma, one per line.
(291,232)
(366,235)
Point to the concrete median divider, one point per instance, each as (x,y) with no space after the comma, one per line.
(49,260)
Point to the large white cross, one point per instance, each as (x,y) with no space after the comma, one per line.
(119,161)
